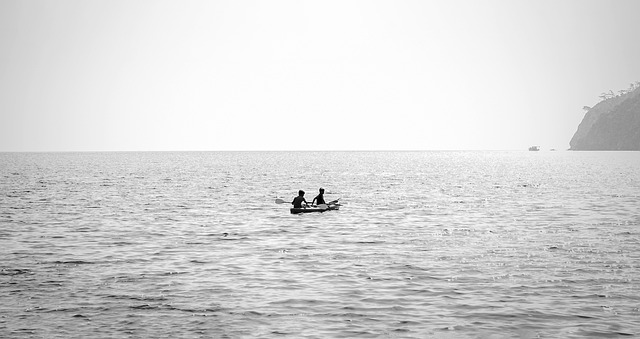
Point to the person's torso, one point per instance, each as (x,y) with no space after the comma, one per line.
(297,201)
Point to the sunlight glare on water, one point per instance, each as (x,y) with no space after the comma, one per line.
(425,245)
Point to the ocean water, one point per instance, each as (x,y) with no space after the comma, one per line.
(425,245)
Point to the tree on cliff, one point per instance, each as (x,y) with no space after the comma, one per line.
(608,95)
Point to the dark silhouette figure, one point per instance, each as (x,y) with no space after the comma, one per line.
(320,198)
(297,201)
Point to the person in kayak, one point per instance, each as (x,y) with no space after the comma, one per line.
(320,198)
(297,201)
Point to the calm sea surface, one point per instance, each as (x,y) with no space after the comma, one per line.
(425,245)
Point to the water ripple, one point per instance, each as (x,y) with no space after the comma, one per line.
(426,245)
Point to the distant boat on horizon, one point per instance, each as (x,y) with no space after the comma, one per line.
(534,148)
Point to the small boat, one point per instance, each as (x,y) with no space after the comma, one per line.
(534,148)
(320,208)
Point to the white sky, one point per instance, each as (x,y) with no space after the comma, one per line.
(308,75)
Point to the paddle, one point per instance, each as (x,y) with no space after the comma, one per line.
(282,201)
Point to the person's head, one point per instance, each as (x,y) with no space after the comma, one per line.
(301,193)
(321,190)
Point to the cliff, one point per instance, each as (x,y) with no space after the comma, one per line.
(611,125)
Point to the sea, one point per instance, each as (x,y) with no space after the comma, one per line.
(437,244)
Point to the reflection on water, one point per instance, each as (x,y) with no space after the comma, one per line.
(426,245)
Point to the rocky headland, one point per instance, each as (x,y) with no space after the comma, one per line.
(611,125)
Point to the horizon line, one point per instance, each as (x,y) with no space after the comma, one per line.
(258,150)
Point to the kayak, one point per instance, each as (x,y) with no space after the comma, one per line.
(313,209)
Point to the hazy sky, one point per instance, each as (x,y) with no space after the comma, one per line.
(308,75)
